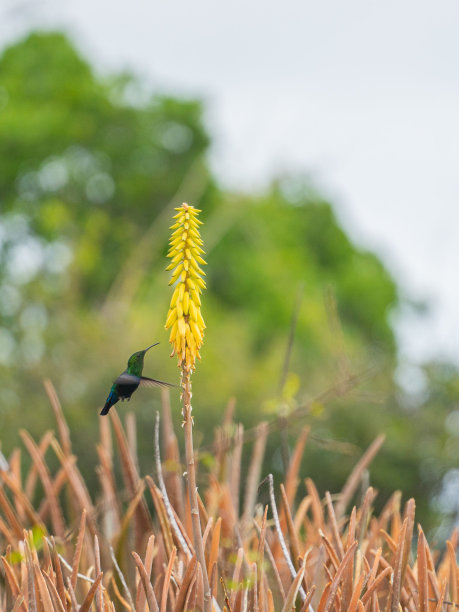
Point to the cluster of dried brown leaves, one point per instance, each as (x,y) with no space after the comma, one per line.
(132,548)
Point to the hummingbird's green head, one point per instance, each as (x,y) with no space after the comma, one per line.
(135,361)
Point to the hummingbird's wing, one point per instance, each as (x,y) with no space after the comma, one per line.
(127,379)
(151,382)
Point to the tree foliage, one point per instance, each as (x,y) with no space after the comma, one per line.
(90,169)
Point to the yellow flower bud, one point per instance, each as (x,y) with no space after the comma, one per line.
(186,302)
(171,317)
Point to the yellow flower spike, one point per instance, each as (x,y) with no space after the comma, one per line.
(184,317)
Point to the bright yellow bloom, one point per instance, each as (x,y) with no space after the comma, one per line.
(184,317)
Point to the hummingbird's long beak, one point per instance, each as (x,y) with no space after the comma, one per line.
(147,349)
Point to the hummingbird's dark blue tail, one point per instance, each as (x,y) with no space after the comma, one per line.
(110,401)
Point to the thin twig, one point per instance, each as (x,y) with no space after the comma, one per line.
(272,561)
(67,565)
(167,504)
(290,565)
(121,577)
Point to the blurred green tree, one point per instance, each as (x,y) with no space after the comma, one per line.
(91,168)
(87,166)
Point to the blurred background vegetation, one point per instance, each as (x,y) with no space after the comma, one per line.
(91,168)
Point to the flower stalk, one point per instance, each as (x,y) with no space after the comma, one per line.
(187,326)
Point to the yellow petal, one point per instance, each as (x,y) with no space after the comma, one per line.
(176,274)
(197,268)
(177,257)
(174,296)
(181,326)
(186,302)
(173,332)
(196,331)
(193,311)
(200,320)
(171,317)
(175,240)
(195,297)
(190,339)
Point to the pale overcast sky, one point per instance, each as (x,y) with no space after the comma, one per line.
(361,95)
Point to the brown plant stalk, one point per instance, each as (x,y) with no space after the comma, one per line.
(187,330)
(191,477)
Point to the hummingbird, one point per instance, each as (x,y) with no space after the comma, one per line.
(127,382)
